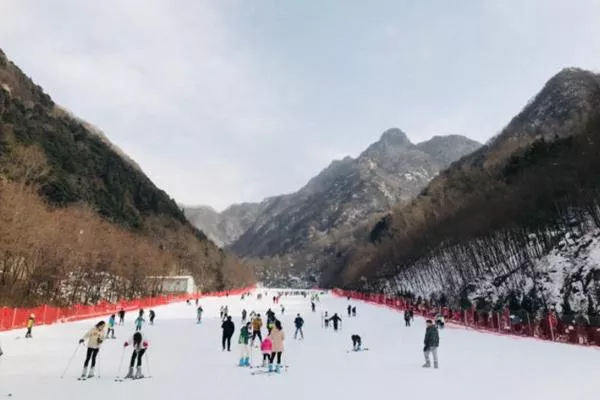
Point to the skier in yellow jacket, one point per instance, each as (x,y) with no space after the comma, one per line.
(30,323)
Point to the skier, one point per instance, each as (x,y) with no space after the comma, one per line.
(199,311)
(406,318)
(140,345)
(439,321)
(228,330)
(30,323)
(139,321)
(121,316)
(282,309)
(354,311)
(256,326)
(277,337)
(244,313)
(356,342)
(299,322)
(225,311)
(312,306)
(111,327)
(349,310)
(152,315)
(222,312)
(270,315)
(412,314)
(244,341)
(197,302)
(95,337)
(336,319)
(326,320)
(432,342)
(266,347)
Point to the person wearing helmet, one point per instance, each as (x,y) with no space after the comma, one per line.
(30,323)
(140,345)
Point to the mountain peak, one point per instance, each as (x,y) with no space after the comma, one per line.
(394,137)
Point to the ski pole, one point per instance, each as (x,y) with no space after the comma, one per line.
(148,365)
(121,363)
(70,361)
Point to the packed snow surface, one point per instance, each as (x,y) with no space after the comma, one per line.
(186,361)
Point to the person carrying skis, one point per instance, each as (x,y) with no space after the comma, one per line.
(121,316)
(95,337)
(228,330)
(139,321)
(199,311)
(152,315)
(299,322)
(336,320)
(432,342)
(349,310)
(277,337)
(111,327)
(256,326)
(140,345)
(244,341)
(30,323)
(244,313)
(354,311)
(356,342)
(406,318)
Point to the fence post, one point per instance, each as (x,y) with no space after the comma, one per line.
(498,318)
(551,328)
(44,315)
(12,325)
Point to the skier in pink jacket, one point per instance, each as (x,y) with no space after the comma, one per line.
(266,347)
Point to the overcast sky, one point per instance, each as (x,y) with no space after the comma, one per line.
(227,101)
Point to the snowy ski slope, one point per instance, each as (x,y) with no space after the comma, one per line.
(186,361)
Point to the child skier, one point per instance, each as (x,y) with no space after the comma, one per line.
(199,311)
(266,347)
(139,321)
(111,327)
(432,342)
(95,337)
(30,323)
(152,315)
(299,322)
(140,345)
(356,342)
(244,341)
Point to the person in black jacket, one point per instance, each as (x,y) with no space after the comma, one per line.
(407,318)
(336,320)
(228,330)
(299,322)
(432,342)
(349,310)
(152,315)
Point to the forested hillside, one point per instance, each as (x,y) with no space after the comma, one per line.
(79,221)
(514,224)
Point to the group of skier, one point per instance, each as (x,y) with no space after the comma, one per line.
(95,338)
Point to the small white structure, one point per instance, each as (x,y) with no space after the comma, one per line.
(176,284)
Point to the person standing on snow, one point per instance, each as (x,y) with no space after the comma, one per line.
(326,320)
(30,323)
(244,342)
(313,306)
(139,321)
(432,342)
(256,327)
(199,311)
(349,310)
(244,313)
(140,345)
(354,311)
(152,315)
(266,347)
(95,337)
(406,318)
(277,337)
(336,320)
(299,322)
(228,331)
(121,316)
(111,327)
(356,342)
(282,309)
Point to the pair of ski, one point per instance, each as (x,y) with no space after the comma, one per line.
(266,371)
(354,351)
(119,379)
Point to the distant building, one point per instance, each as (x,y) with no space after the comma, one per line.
(176,284)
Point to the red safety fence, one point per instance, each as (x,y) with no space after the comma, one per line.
(550,327)
(14,318)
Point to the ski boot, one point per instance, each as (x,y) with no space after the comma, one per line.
(435,365)
(91,374)
(242,362)
(129,373)
(138,373)
(278,368)
(270,367)
(247,361)
(83,373)
(426,365)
